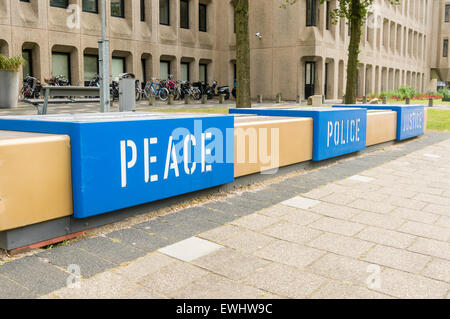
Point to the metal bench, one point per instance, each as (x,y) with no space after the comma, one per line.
(64,94)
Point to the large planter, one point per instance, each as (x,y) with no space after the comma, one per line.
(9,89)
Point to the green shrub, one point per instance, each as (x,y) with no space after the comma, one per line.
(445,93)
(431,93)
(404,92)
(11,64)
(387,94)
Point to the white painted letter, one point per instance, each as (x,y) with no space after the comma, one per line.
(123,159)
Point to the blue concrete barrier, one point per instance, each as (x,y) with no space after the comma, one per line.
(410,118)
(126,159)
(336,131)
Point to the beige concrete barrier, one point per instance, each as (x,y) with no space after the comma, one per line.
(265,143)
(381,126)
(35,178)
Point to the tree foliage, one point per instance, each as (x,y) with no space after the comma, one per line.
(355,12)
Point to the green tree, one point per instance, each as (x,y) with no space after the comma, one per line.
(243,91)
(355,13)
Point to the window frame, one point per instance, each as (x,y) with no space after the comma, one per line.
(89,11)
(55,5)
(447,12)
(142,12)
(188,73)
(122,11)
(206,72)
(69,64)
(168,13)
(311,13)
(188,15)
(84,64)
(30,59)
(445,48)
(205,6)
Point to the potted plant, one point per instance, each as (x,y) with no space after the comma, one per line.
(9,80)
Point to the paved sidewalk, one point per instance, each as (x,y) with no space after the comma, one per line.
(27,109)
(372,226)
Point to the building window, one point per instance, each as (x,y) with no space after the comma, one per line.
(144,71)
(445,48)
(447,13)
(59,3)
(202,22)
(184,14)
(311,8)
(327,18)
(164,70)
(118,8)
(61,65)
(28,66)
(203,73)
(90,6)
(142,10)
(164,12)
(185,71)
(90,67)
(118,67)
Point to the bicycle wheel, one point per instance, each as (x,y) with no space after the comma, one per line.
(138,95)
(163,94)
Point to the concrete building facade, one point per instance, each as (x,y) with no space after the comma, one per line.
(299,52)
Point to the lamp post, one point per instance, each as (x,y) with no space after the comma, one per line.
(103,49)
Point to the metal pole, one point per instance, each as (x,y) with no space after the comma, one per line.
(103,49)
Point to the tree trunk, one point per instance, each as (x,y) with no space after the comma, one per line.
(243,94)
(353,51)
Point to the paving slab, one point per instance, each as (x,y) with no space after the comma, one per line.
(397,258)
(300,202)
(108,249)
(216,287)
(285,281)
(230,263)
(291,232)
(171,278)
(88,263)
(338,290)
(401,284)
(341,245)
(289,254)
(386,237)
(344,269)
(438,269)
(137,238)
(190,249)
(34,274)
(248,241)
(12,290)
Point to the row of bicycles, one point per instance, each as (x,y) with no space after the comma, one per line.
(157,88)
(161,89)
(31,88)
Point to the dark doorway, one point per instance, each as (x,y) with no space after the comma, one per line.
(325,88)
(310,72)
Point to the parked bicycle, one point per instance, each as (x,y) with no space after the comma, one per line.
(57,80)
(31,88)
(156,88)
